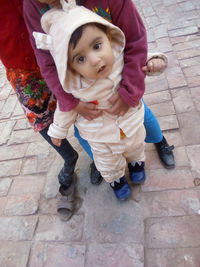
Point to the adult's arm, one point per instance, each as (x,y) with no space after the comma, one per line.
(125,15)
(33,11)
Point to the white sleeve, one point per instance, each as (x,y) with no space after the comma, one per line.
(61,123)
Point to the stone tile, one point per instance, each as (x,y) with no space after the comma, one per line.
(184,39)
(183,31)
(22,205)
(6,130)
(5,91)
(192,71)
(181,157)
(38,148)
(22,124)
(194,159)
(174,138)
(195,92)
(48,206)
(168,122)
(17,228)
(193,81)
(172,60)
(10,104)
(160,31)
(164,45)
(5,186)
(114,255)
(156,84)
(27,184)
(171,203)
(11,167)
(163,109)
(173,232)
(57,254)
(14,254)
(24,136)
(12,152)
(162,179)
(189,127)
(159,97)
(183,101)
(3,201)
(113,221)
(51,228)
(187,257)
(186,45)
(18,110)
(188,62)
(189,53)
(175,77)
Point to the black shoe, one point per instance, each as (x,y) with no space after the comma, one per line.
(95,176)
(65,176)
(165,153)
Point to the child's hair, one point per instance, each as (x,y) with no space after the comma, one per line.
(76,35)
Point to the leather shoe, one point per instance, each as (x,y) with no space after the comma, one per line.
(95,175)
(165,153)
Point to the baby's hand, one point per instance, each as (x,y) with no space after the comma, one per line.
(155,65)
(56,141)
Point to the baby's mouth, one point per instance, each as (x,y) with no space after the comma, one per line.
(101,69)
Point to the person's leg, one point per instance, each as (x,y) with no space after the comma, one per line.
(69,156)
(154,135)
(95,176)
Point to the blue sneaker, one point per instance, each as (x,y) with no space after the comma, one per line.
(137,173)
(121,189)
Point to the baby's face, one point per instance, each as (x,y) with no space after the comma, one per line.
(92,57)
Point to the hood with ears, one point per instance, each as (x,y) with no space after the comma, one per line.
(59,24)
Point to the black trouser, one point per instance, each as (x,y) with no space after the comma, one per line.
(68,154)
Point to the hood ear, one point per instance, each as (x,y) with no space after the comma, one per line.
(43,41)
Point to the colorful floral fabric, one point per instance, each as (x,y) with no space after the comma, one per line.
(37,101)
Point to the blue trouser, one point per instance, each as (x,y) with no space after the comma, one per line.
(153,131)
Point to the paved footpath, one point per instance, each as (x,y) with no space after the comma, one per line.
(160,225)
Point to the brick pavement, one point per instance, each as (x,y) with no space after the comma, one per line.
(160,225)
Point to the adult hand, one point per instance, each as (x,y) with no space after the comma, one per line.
(119,107)
(88,110)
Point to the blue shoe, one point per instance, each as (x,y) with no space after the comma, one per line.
(122,189)
(137,173)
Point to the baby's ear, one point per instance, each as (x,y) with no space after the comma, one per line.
(43,41)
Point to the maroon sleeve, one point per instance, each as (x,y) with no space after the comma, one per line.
(33,11)
(125,15)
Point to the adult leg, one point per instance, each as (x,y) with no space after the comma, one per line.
(95,176)
(154,135)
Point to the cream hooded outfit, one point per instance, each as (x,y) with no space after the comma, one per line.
(111,151)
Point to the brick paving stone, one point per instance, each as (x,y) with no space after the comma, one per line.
(24,136)
(170,203)
(183,31)
(12,152)
(3,201)
(173,232)
(193,81)
(160,31)
(191,71)
(5,186)
(172,60)
(188,62)
(11,167)
(187,257)
(194,158)
(168,122)
(17,228)
(158,97)
(175,77)
(6,130)
(14,254)
(152,21)
(183,101)
(5,91)
(174,138)
(18,111)
(2,102)
(56,254)
(156,84)
(51,228)
(22,124)
(22,205)
(48,206)
(189,127)
(27,184)
(37,148)
(183,39)
(10,104)
(181,157)
(186,45)
(180,23)
(164,45)
(189,53)
(161,179)
(114,255)
(163,109)
(195,92)
(111,221)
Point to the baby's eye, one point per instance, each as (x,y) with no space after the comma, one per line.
(97,46)
(80,59)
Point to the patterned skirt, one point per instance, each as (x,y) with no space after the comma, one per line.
(36,99)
